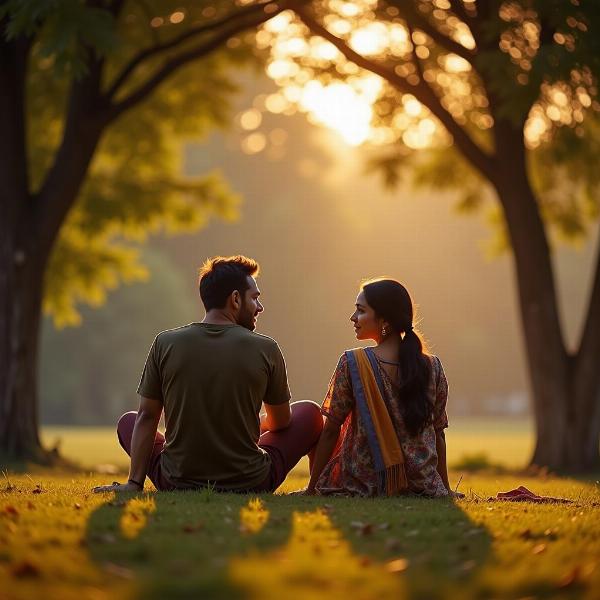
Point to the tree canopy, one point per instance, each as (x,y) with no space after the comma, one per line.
(420,91)
(136,183)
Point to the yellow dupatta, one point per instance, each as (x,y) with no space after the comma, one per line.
(383,439)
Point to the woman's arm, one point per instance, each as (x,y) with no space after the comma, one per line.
(323,452)
(442,467)
(440,421)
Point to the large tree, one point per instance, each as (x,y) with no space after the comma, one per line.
(505,92)
(95,97)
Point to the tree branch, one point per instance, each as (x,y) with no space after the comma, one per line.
(413,52)
(421,22)
(458,8)
(85,120)
(197,31)
(422,91)
(250,19)
(484,13)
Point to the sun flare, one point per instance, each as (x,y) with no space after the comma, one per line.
(341,107)
(346,107)
(314,77)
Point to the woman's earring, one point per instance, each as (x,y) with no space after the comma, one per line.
(383,331)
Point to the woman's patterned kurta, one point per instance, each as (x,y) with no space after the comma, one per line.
(351,470)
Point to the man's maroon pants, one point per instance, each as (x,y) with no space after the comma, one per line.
(285,447)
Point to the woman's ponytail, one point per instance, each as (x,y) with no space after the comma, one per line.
(391,301)
(414,369)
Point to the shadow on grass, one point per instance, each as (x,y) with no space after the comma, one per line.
(207,545)
(184,541)
(443,548)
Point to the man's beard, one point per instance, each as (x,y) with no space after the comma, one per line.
(246,318)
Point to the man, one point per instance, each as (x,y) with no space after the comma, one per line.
(211,378)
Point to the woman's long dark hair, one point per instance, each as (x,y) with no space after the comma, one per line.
(391,301)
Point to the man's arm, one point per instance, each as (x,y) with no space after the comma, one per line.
(142,442)
(278,416)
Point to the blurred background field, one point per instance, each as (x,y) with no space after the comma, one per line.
(471,442)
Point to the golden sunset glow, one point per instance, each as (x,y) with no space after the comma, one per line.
(345,107)
(371,39)
(250,119)
(300,65)
(315,545)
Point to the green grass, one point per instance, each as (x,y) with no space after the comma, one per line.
(58,540)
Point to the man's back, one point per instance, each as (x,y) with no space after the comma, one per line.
(212,380)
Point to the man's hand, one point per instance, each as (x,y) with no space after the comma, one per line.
(455,495)
(304,492)
(115,486)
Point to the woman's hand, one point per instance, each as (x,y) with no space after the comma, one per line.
(115,486)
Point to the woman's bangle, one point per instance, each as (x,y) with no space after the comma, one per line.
(140,485)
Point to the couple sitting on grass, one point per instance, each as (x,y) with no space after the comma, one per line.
(380,431)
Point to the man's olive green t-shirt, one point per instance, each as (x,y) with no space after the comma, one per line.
(212,380)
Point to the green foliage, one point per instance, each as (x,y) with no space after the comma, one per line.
(583,49)
(394,165)
(566,175)
(83,270)
(61,26)
(135,185)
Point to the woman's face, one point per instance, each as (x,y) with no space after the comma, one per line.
(367,325)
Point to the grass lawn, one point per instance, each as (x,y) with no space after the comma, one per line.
(57,540)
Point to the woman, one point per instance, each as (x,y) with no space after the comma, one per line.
(385,409)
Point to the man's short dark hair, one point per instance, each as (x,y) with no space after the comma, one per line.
(221,276)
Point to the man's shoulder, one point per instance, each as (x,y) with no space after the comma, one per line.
(261,340)
(170,334)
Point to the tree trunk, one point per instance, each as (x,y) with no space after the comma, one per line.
(565,398)
(20,310)
(27,242)
(29,226)
(21,267)
(581,447)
